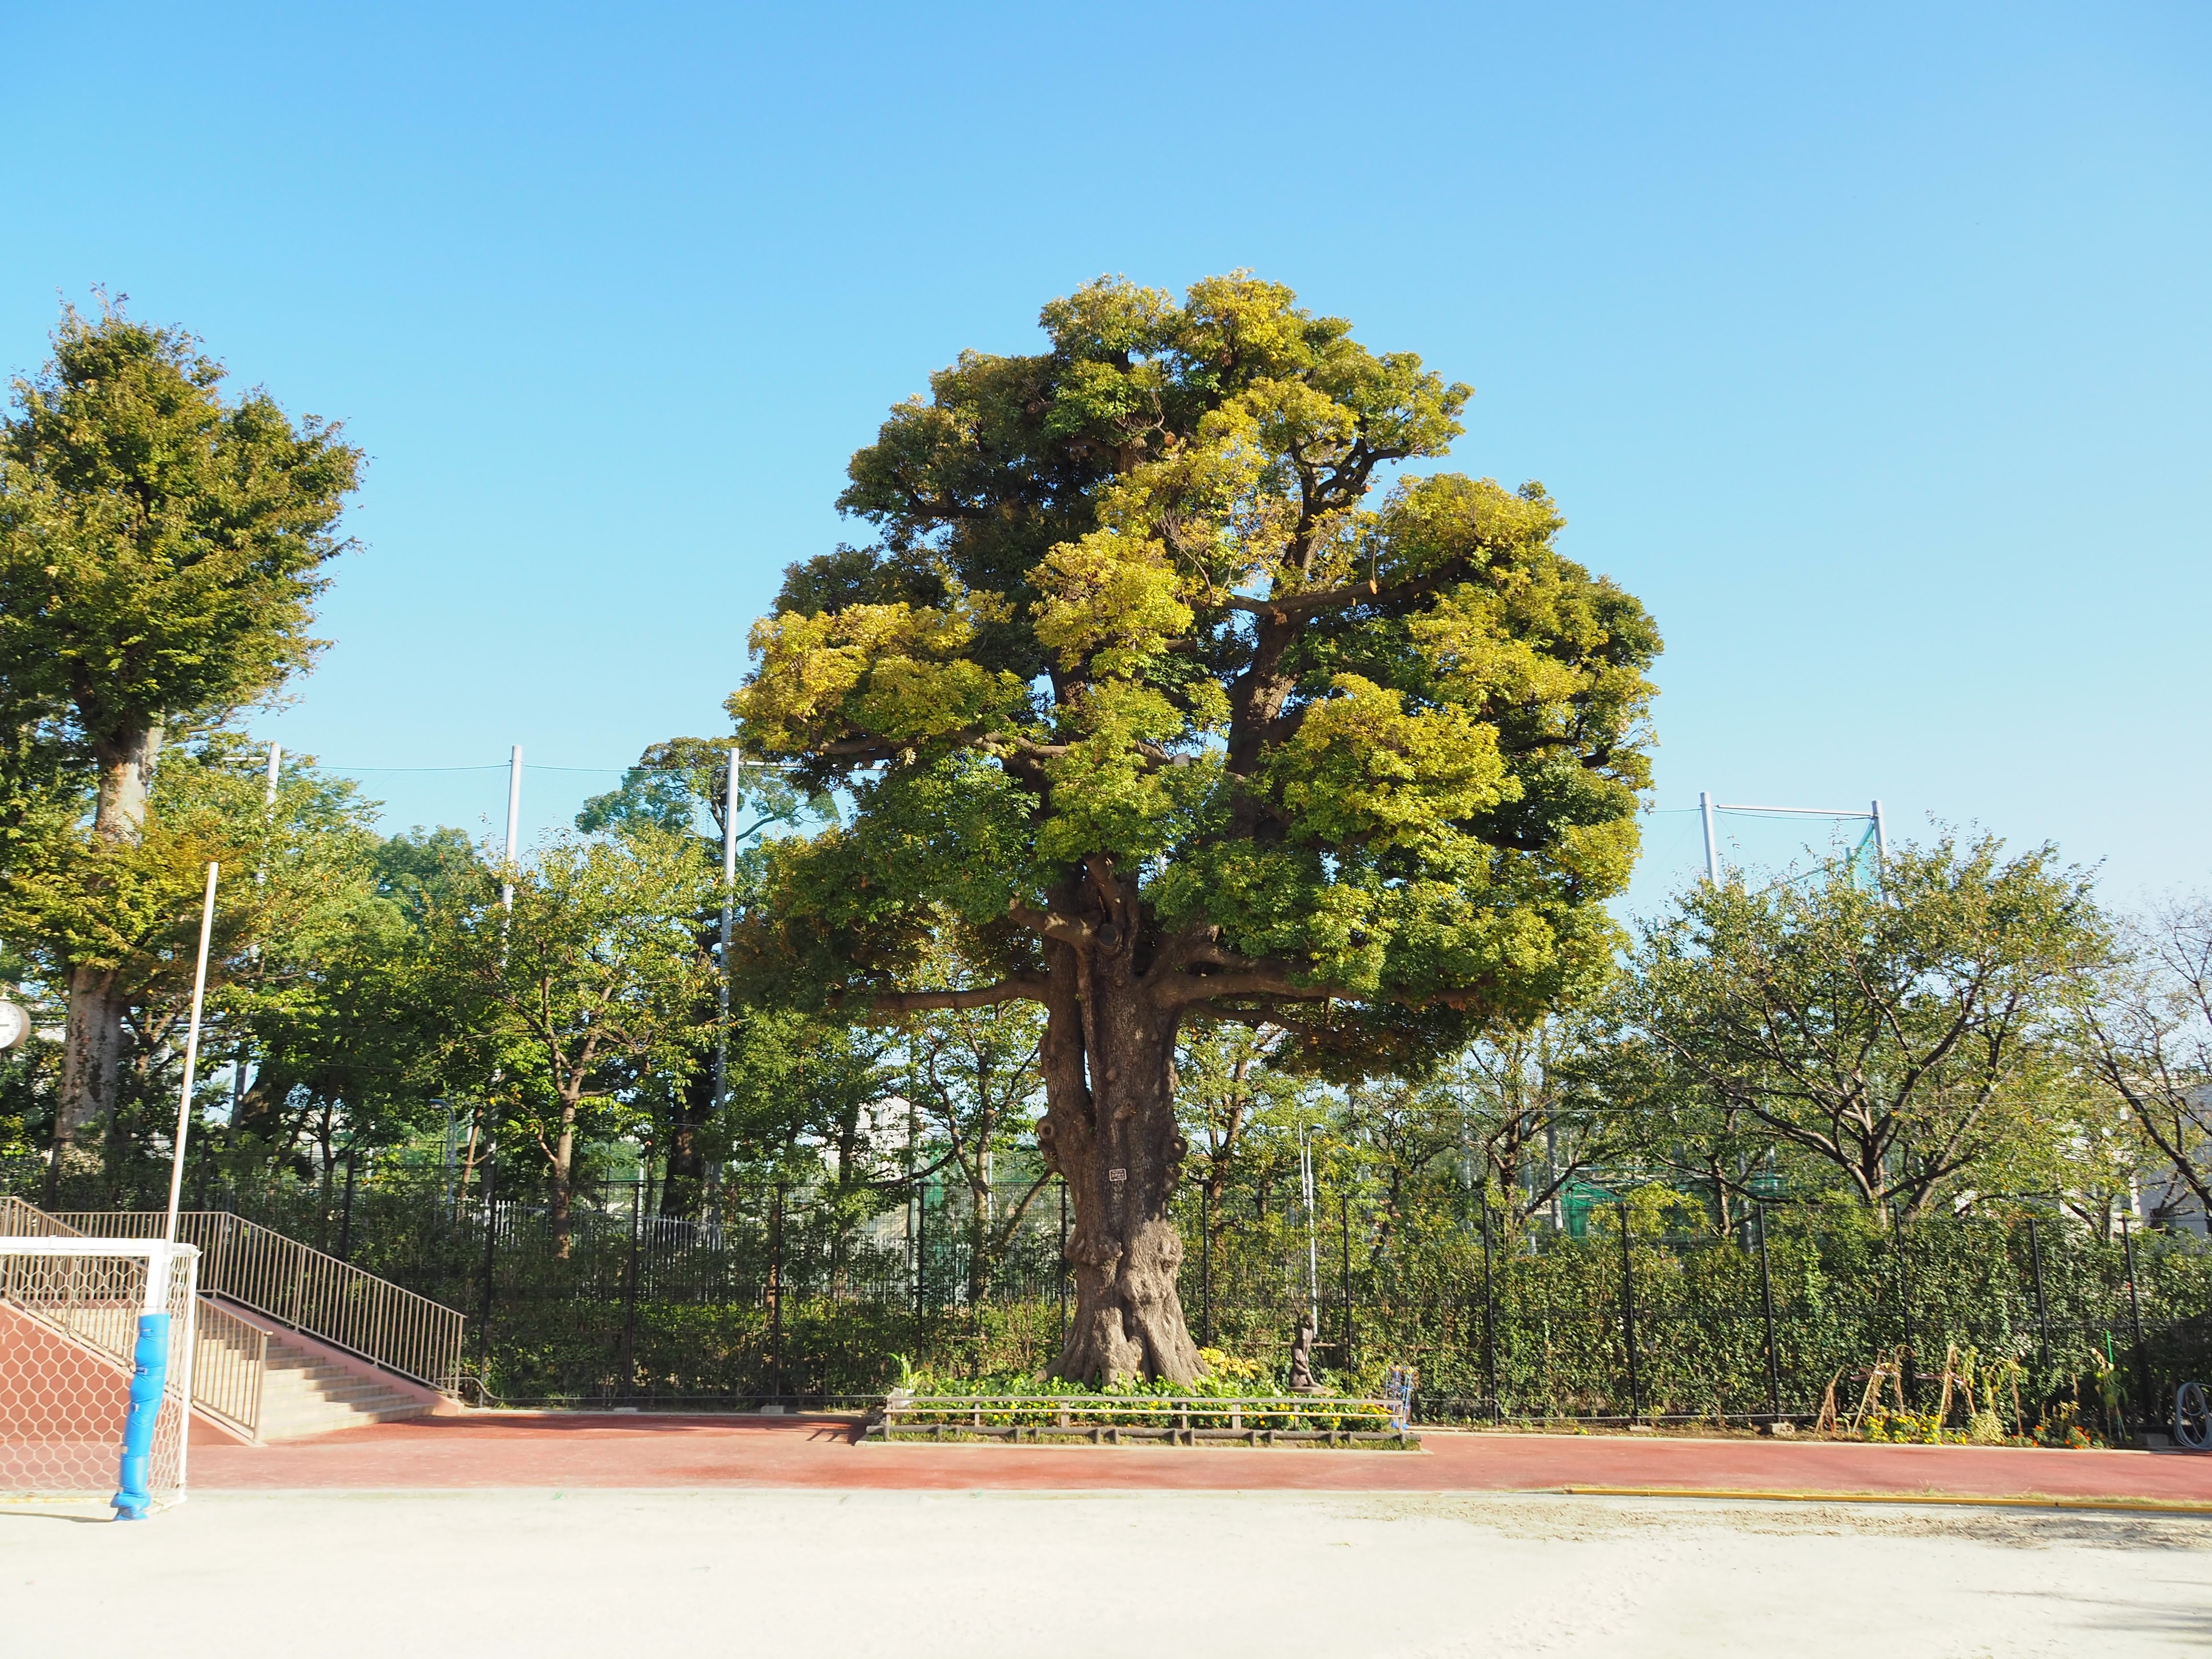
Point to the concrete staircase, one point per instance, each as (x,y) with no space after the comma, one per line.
(310,1388)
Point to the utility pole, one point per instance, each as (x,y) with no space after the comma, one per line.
(1880,837)
(513,825)
(1712,841)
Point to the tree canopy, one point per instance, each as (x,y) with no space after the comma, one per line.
(1137,616)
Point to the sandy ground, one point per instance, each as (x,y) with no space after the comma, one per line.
(919,1574)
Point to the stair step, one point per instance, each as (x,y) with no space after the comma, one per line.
(295,1428)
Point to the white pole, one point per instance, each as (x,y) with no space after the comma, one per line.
(732,794)
(513,823)
(269,786)
(191,1062)
(1712,841)
(1880,837)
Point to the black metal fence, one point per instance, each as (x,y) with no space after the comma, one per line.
(800,1294)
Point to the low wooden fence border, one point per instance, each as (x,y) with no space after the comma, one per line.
(1169,1419)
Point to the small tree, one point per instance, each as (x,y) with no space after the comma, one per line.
(1155,699)
(2147,1037)
(160,554)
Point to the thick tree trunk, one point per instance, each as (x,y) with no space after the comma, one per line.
(1110,1131)
(683,1181)
(92,1052)
(564,1165)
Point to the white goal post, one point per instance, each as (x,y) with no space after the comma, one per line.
(97,1338)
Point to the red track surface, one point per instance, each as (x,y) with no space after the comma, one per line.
(525,1449)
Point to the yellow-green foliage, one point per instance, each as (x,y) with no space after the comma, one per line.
(1141,596)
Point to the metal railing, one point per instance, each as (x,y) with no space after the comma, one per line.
(231,1362)
(300,1287)
(231,1355)
(21,1220)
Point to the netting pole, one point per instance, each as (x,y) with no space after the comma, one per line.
(1904,1315)
(776,1297)
(1628,1314)
(1205,1260)
(1489,1314)
(1767,1303)
(2042,1310)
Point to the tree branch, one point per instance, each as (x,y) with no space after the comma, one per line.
(879,1007)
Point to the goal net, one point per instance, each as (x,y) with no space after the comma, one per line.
(96,1344)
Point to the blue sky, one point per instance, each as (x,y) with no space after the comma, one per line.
(1870,347)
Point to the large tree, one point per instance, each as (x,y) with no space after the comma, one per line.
(160,549)
(1161,698)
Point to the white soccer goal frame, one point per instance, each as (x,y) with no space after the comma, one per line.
(170,1285)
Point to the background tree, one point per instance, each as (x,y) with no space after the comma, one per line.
(1231,1090)
(2146,1033)
(570,1011)
(1146,698)
(1902,1043)
(1528,1117)
(160,550)
(971,1074)
(302,929)
(682,785)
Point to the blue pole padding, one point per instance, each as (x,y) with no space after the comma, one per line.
(150,1374)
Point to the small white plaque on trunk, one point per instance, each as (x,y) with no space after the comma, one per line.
(1117,1176)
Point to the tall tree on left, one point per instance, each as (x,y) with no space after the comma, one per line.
(160,551)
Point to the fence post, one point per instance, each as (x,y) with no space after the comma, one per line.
(1205,1258)
(299,1279)
(921,1258)
(487,1189)
(1767,1300)
(1489,1317)
(1628,1315)
(345,1226)
(1344,1214)
(2134,1321)
(2042,1312)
